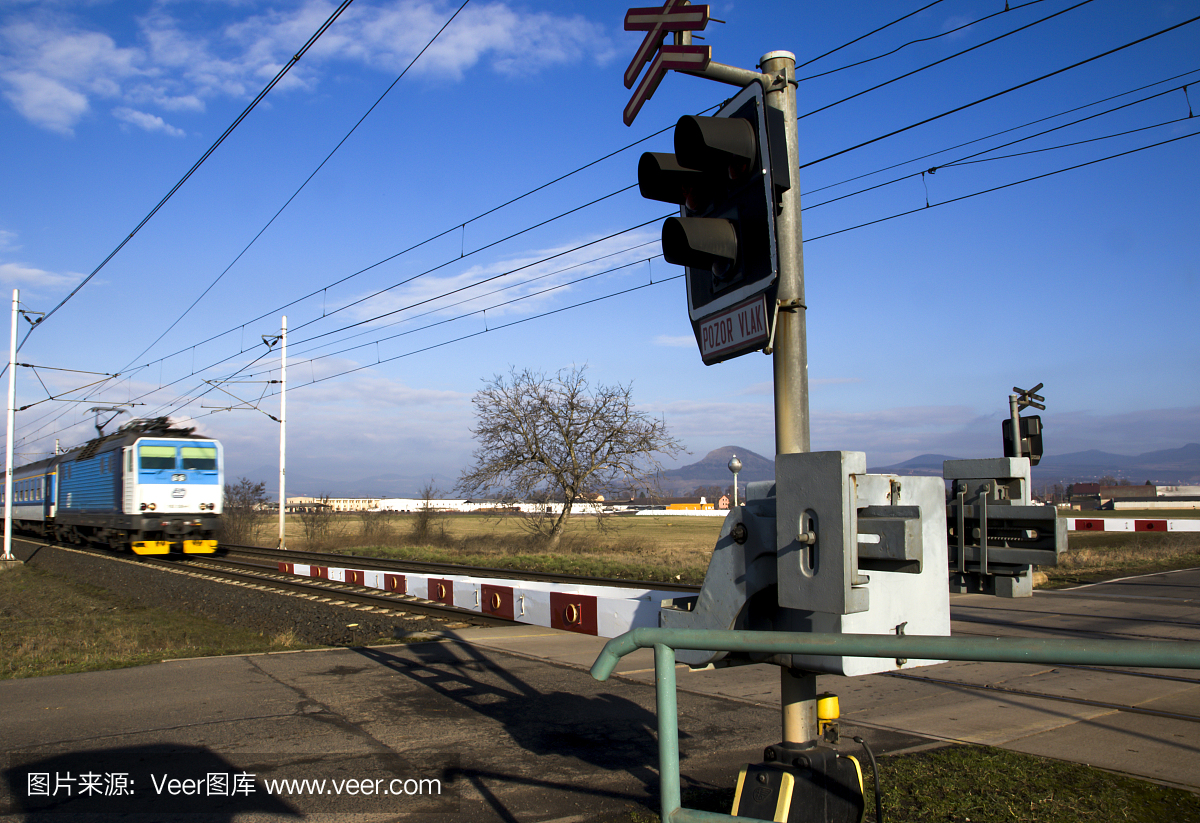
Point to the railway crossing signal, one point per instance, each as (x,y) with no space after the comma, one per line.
(726,175)
(1025,440)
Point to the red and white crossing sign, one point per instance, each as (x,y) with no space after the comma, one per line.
(673,15)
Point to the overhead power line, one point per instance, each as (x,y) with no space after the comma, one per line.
(977,156)
(925,121)
(1004,186)
(946,33)
(183,401)
(288,202)
(944,59)
(1012,129)
(805,165)
(999,93)
(868,34)
(295,58)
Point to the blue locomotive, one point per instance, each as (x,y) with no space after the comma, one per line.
(149,487)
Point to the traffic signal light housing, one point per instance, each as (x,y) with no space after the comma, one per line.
(1031,438)
(726,174)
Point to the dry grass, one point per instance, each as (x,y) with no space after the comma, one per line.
(648,548)
(1092,557)
(55,626)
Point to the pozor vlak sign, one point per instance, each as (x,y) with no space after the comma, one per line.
(724,236)
(735,331)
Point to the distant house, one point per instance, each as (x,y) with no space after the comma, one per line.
(656,502)
(1127,492)
(1085,496)
(337,504)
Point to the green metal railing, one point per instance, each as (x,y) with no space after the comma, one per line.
(1174,654)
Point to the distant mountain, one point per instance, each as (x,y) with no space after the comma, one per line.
(713,470)
(1166,467)
(1179,466)
(923,465)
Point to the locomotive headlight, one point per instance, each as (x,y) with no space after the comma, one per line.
(152,506)
(142,507)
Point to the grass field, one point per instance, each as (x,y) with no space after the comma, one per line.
(646,548)
(49,625)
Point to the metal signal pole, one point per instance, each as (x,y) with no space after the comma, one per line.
(283,438)
(12,416)
(798,689)
(790,355)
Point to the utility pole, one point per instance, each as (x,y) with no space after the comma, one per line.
(12,416)
(283,437)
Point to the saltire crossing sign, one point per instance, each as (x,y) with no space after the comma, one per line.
(672,16)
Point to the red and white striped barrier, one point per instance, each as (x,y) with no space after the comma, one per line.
(603,611)
(1121,524)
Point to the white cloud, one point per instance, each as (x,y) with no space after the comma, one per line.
(681,341)
(515,286)
(52,68)
(15,274)
(8,240)
(44,101)
(149,122)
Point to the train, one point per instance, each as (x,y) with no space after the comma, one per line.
(150,487)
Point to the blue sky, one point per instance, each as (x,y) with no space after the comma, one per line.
(918,326)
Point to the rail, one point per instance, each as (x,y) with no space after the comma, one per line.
(1177,654)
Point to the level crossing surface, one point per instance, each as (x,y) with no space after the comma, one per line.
(515,728)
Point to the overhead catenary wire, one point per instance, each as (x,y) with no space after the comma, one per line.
(868,34)
(482,311)
(946,33)
(976,157)
(1004,186)
(181,402)
(1008,130)
(308,179)
(878,86)
(918,124)
(804,165)
(457,226)
(253,103)
(813,239)
(1009,90)
(477,297)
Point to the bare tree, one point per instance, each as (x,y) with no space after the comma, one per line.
(319,520)
(243,511)
(560,435)
(375,526)
(429,526)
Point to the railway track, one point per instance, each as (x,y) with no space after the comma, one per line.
(268,578)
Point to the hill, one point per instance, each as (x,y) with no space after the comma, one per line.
(713,470)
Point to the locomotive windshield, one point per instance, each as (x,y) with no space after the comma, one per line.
(157,457)
(199,457)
